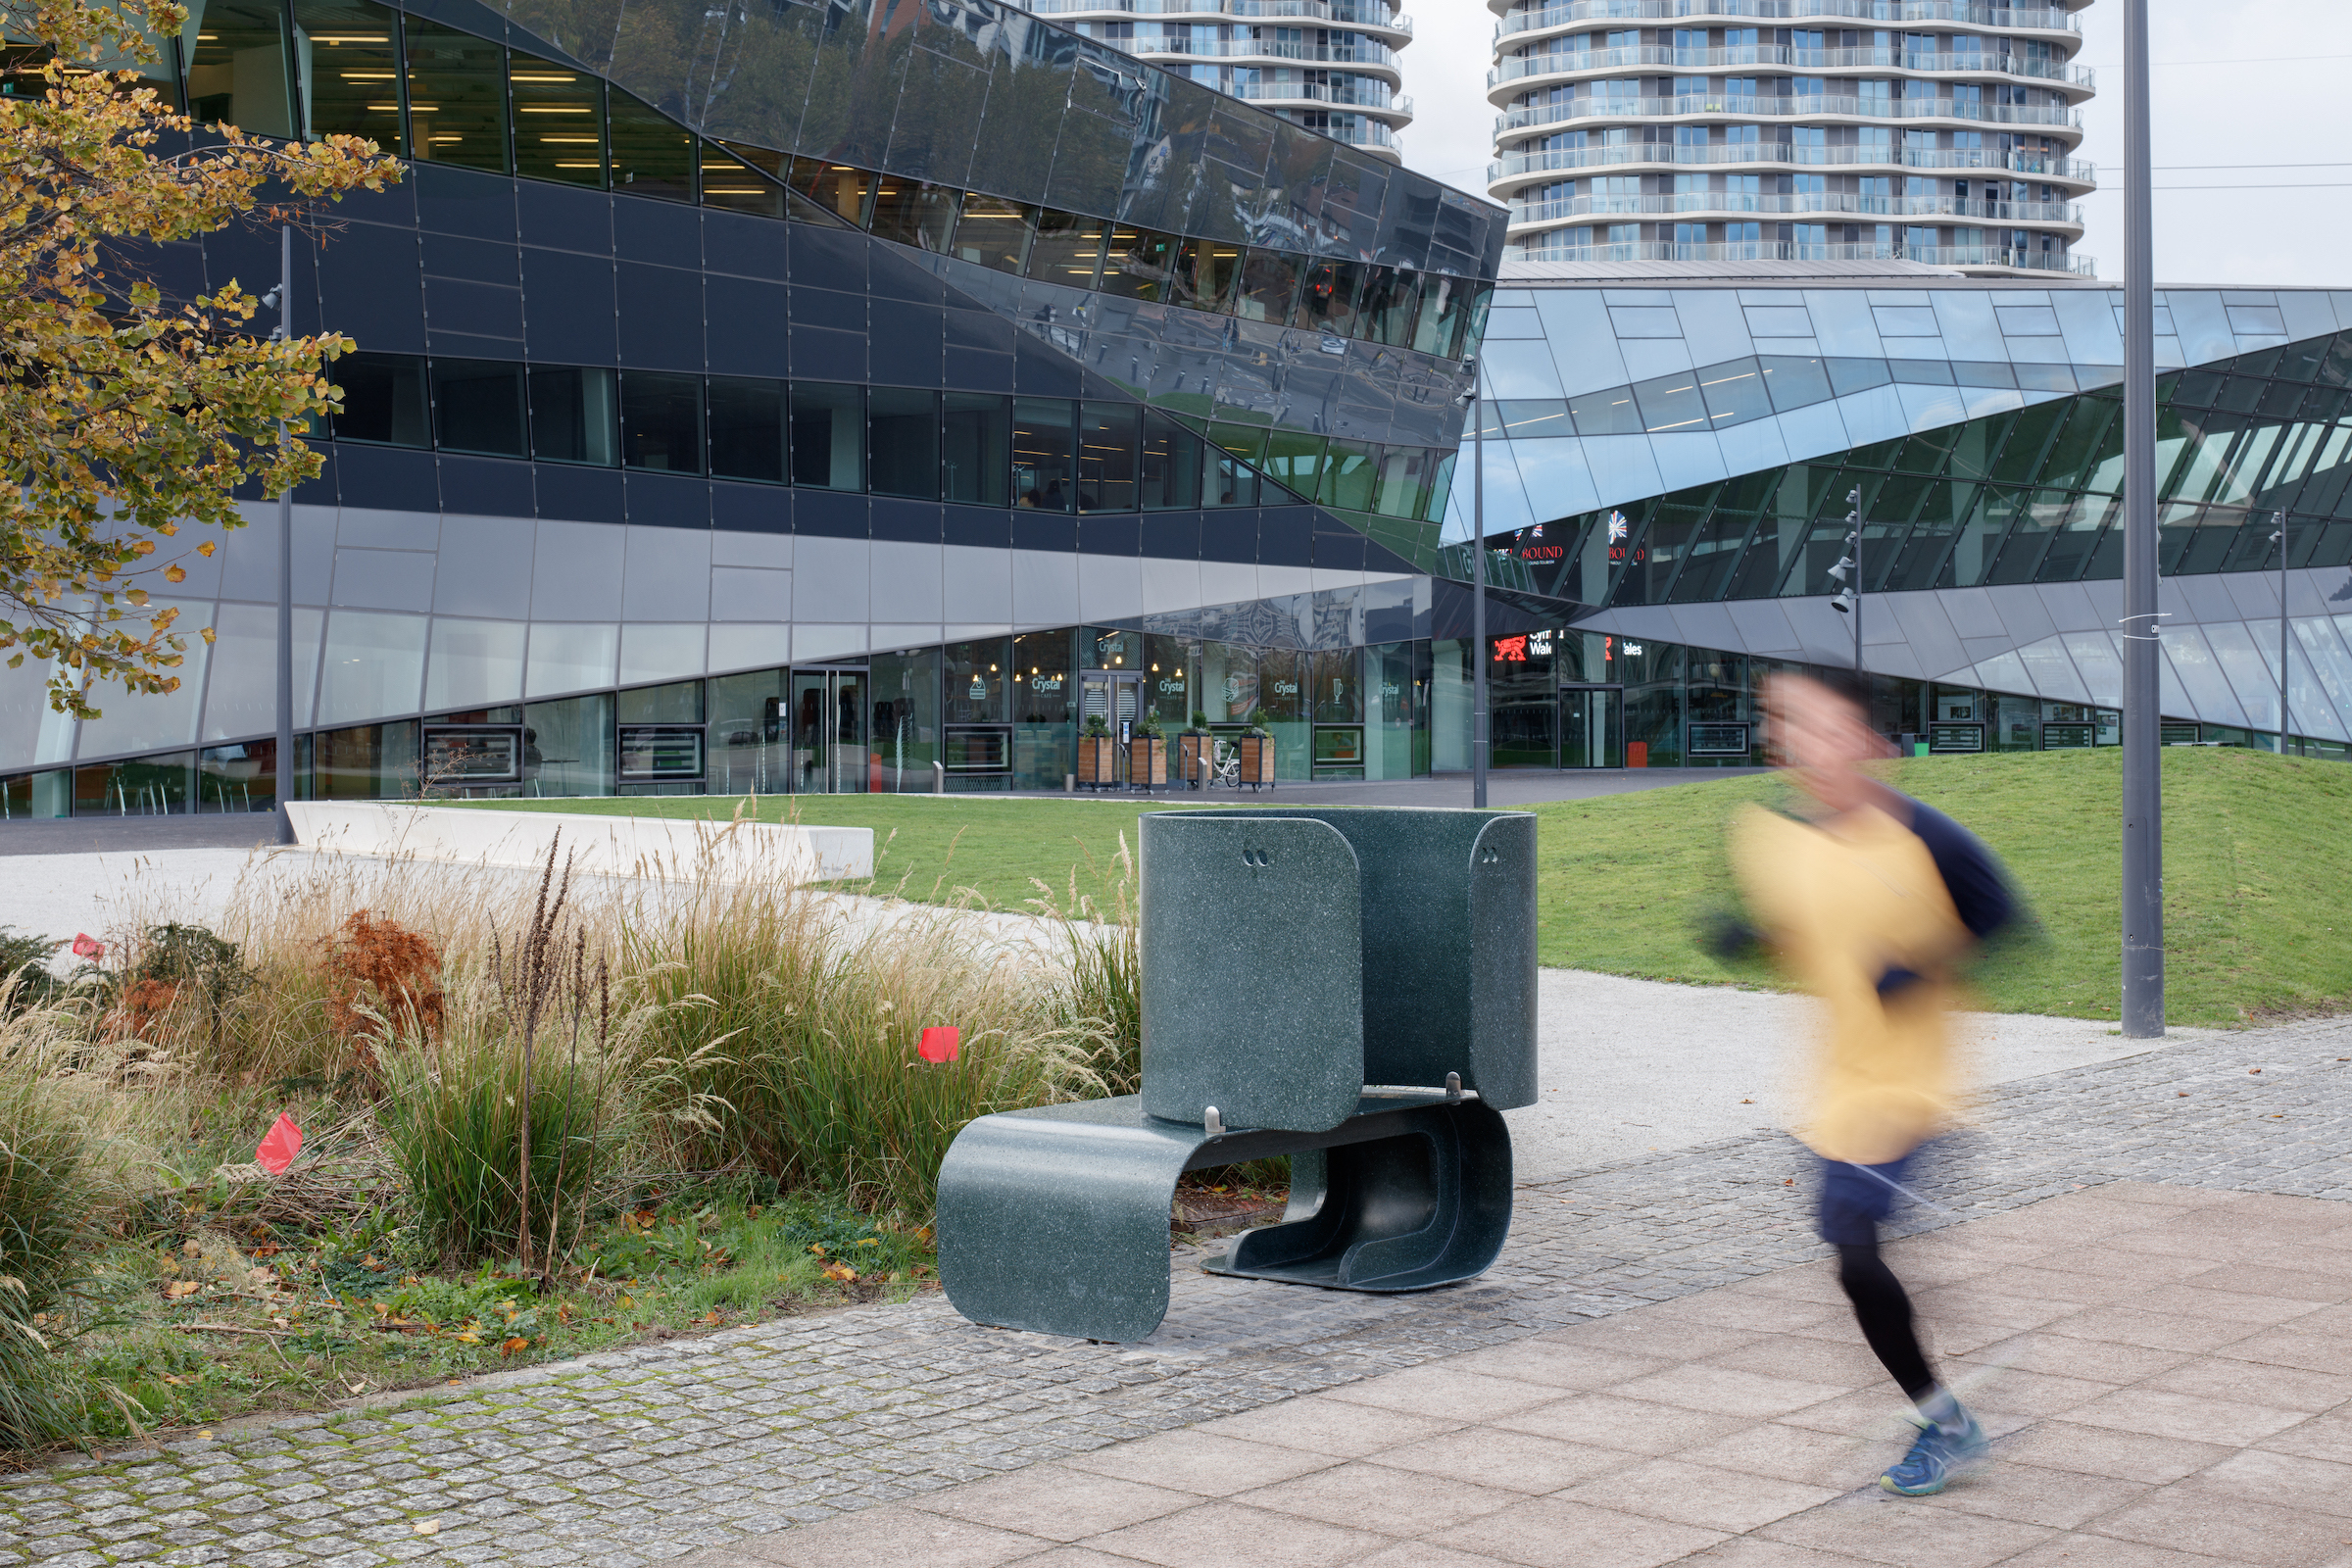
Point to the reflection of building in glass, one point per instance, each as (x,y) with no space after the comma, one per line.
(1329,65)
(813,398)
(1943,134)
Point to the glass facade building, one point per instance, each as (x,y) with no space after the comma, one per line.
(839,396)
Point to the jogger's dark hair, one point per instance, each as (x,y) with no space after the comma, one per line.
(1885,1313)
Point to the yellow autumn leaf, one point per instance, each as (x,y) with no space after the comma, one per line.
(176,575)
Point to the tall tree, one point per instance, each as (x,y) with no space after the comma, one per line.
(125,417)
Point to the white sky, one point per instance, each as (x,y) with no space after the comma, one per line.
(2228,92)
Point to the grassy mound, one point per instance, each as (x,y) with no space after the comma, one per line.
(2256,848)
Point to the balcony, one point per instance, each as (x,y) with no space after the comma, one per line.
(1315,92)
(1562,63)
(2023,19)
(1367,54)
(1332,13)
(2042,165)
(1846,202)
(1362,133)
(1760,108)
(1772,251)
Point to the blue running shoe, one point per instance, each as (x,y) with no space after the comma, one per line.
(1938,1454)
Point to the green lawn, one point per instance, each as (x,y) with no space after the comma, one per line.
(2257,852)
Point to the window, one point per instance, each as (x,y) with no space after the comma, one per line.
(838,188)
(993,233)
(1068,249)
(573,416)
(1269,286)
(828,437)
(747,430)
(903,442)
(237,68)
(1043,442)
(1106,440)
(651,155)
(1390,298)
(1172,462)
(739,187)
(352,86)
(1444,313)
(913,211)
(1206,274)
(977,435)
(1137,263)
(384,400)
(559,123)
(1327,298)
(477,407)
(662,422)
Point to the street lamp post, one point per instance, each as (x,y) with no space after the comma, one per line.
(2281,537)
(2143,801)
(1478,586)
(285,564)
(1849,599)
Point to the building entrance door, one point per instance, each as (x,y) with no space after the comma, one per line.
(1592,727)
(830,753)
(1116,698)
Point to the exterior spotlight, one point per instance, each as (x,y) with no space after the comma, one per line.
(1838,571)
(1844,602)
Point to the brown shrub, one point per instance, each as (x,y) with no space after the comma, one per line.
(402,970)
(140,1014)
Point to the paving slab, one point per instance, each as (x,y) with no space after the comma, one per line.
(1642,1272)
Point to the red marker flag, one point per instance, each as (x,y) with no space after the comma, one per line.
(86,946)
(280,1146)
(938,1045)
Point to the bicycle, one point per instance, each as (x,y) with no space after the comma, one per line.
(1225,765)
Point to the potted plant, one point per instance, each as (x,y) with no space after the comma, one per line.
(1148,753)
(1256,748)
(1196,752)
(1098,754)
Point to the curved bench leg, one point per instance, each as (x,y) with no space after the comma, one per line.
(1056,1220)
(1427,1206)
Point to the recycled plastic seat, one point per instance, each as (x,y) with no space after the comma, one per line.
(1354,988)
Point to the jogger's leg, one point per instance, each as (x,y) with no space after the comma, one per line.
(1885,1312)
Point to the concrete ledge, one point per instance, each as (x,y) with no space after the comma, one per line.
(609,846)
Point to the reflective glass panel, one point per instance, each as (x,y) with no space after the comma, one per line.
(477,407)
(747,428)
(994,232)
(661,421)
(1406,473)
(1609,413)
(350,71)
(559,121)
(836,187)
(1734,393)
(1390,298)
(1068,249)
(1351,472)
(1328,297)
(1294,459)
(903,442)
(730,182)
(1106,440)
(574,417)
(978,437)
(383,399)
(1444,314)
(1042,453)
(828,435)
(457,97)
(1671,403)
(651,154)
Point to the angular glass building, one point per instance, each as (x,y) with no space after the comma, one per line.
(847,396)
(1676,469)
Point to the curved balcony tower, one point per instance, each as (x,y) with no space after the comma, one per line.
(1725,130)
(1328,65)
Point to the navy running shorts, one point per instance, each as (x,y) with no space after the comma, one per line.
(1855,1199)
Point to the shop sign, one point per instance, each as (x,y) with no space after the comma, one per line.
(1510,650)
(1955,737)
(1719,740)
(1045,683)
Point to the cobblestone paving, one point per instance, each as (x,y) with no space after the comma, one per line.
(634,1458)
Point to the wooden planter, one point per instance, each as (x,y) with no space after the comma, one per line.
(1097,761)
(1258,760)
(1148,762)
(1196,756)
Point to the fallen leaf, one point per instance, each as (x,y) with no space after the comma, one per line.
(509,1346)
(424,1527)
(180,1288)
(841,1273)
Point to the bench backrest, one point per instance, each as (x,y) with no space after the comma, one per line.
(1292,955)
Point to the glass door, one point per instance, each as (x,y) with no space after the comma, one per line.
(1592,727)
(1117,699)
(830,753)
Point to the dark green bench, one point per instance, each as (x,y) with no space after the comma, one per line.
(1353,988)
